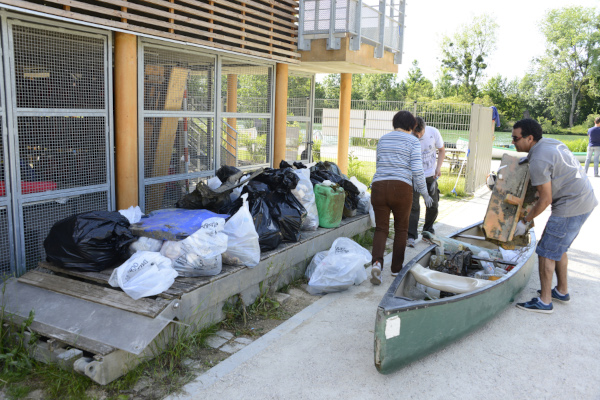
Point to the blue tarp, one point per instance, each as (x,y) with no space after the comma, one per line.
(172,223)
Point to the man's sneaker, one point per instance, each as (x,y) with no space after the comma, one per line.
(410,242)
(559,297)
(376,274)
(536,305)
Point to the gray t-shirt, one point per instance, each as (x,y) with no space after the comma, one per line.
(572,193)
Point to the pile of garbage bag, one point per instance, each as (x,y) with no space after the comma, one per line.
(246,213)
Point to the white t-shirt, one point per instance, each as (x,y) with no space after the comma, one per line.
(430,142)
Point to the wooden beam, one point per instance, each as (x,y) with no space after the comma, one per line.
(344,122)
(231,139)
(126,145)
(91,292)
(123,9)
(105,20)
(281,97)
(210,20)
(171,20)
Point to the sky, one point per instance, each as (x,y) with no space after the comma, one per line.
(518,37)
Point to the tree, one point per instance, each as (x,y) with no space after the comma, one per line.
(464,54)
(416,85)
(374,87)
(331,86)
(443,84)
(505,96)
(572,50)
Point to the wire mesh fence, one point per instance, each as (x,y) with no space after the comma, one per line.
(299,117)
(61,160)
(370,120)
(5,268)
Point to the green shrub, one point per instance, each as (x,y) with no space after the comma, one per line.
(589,121)
(316,150)
(578,145)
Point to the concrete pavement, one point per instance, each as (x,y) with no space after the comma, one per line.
(326,351)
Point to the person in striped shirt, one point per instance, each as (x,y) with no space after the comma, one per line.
(399,164)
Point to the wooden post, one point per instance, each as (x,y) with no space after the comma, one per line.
(344,121)
(281,94)
(232,81)
(126,132)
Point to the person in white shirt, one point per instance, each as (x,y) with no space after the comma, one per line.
(431,144)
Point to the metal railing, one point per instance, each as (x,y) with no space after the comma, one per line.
(377,22)
(464,129)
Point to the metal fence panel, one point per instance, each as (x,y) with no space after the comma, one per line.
(6,235)
(246,105)
(298,139)
(60,110)
(177,122)
(369,120)
(191,96)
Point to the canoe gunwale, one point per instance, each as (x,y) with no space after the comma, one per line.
(391,304)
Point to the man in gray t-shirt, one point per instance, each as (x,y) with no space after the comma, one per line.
(560,182)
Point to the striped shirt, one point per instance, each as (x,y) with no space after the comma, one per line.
(399,159)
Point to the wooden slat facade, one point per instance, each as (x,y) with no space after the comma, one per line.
(263,28)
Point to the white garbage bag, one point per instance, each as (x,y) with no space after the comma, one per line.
(146,273)
(362,188)
(200,253)
(343,267)
(145,244)
(364,203)
(236,193)
(242,246)
(214,183)
(314,262)
(133,214)
(371,213)
(305,194)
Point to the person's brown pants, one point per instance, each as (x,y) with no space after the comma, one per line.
(394,196)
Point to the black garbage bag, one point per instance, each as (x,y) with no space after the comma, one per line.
(328,166)
(90,241)
(281,180)
(289,214)
(284,164)
(269,234)
(299,165)
(204,197)
(228,173)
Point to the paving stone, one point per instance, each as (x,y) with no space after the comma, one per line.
(281,297)
(224,334)
(191,363)
(232,347)
(243,340)
(294,292)
(215,342)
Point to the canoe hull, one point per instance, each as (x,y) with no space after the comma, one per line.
(406,330)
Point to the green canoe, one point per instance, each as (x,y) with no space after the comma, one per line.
(407,328)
